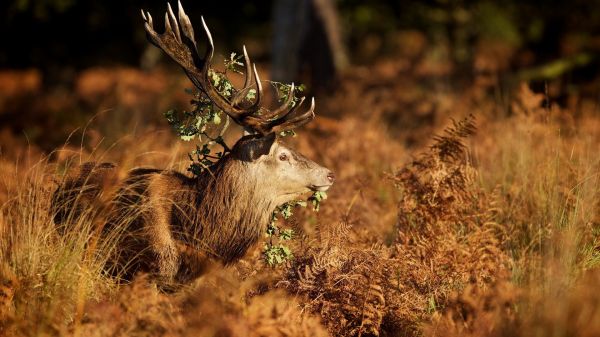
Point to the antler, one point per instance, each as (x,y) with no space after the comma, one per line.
(179,43)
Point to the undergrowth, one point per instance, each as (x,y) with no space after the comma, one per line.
(487,232)
(46,276)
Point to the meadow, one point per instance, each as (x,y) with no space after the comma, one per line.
(457,211)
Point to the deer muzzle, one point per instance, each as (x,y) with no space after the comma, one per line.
(329,178)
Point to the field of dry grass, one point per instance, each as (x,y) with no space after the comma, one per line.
(485,226)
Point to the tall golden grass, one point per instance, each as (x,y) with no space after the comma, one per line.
(47,277)
(494,233)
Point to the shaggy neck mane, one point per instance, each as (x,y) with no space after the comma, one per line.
(234,210)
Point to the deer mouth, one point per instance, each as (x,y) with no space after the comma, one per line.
(328,182)
(319,188)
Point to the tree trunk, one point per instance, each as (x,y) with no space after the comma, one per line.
(307,44)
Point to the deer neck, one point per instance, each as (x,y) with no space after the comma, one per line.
(235,209)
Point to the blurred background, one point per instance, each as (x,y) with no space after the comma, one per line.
(64,62)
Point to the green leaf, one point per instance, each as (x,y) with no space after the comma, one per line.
(286,211)
(215,78)
(287,252)
(216,119)
(271,229)
(287,234)
(227,88)
(251,94)
(321,195)
(316,199)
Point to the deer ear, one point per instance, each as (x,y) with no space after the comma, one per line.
(255,147)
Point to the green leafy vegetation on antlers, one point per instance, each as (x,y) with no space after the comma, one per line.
(205,121)
(206,124)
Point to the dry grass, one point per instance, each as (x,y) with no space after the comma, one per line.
(46,277)
(487,233)
(542,167)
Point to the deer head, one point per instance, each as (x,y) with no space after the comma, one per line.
(283,172)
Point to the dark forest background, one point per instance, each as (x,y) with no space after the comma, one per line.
(60,35)
(51,48)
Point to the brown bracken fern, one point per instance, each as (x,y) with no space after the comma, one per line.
(446,239)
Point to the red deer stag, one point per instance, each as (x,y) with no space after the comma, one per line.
(174,222)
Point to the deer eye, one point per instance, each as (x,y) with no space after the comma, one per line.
(283,157)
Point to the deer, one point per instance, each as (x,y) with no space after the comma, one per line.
(168,223)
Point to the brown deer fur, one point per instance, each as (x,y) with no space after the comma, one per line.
(169,224)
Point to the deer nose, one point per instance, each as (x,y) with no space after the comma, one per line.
(331,176)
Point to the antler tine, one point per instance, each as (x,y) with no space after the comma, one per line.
(173,22)
(248,79)
(290,112)
(168,29)
(210,49)
(289,119)
(239,96)
(259,89)
(216,97)
(149,22)
(297,121)
(284,107)
(309,114)
(186,24)
(286,122)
